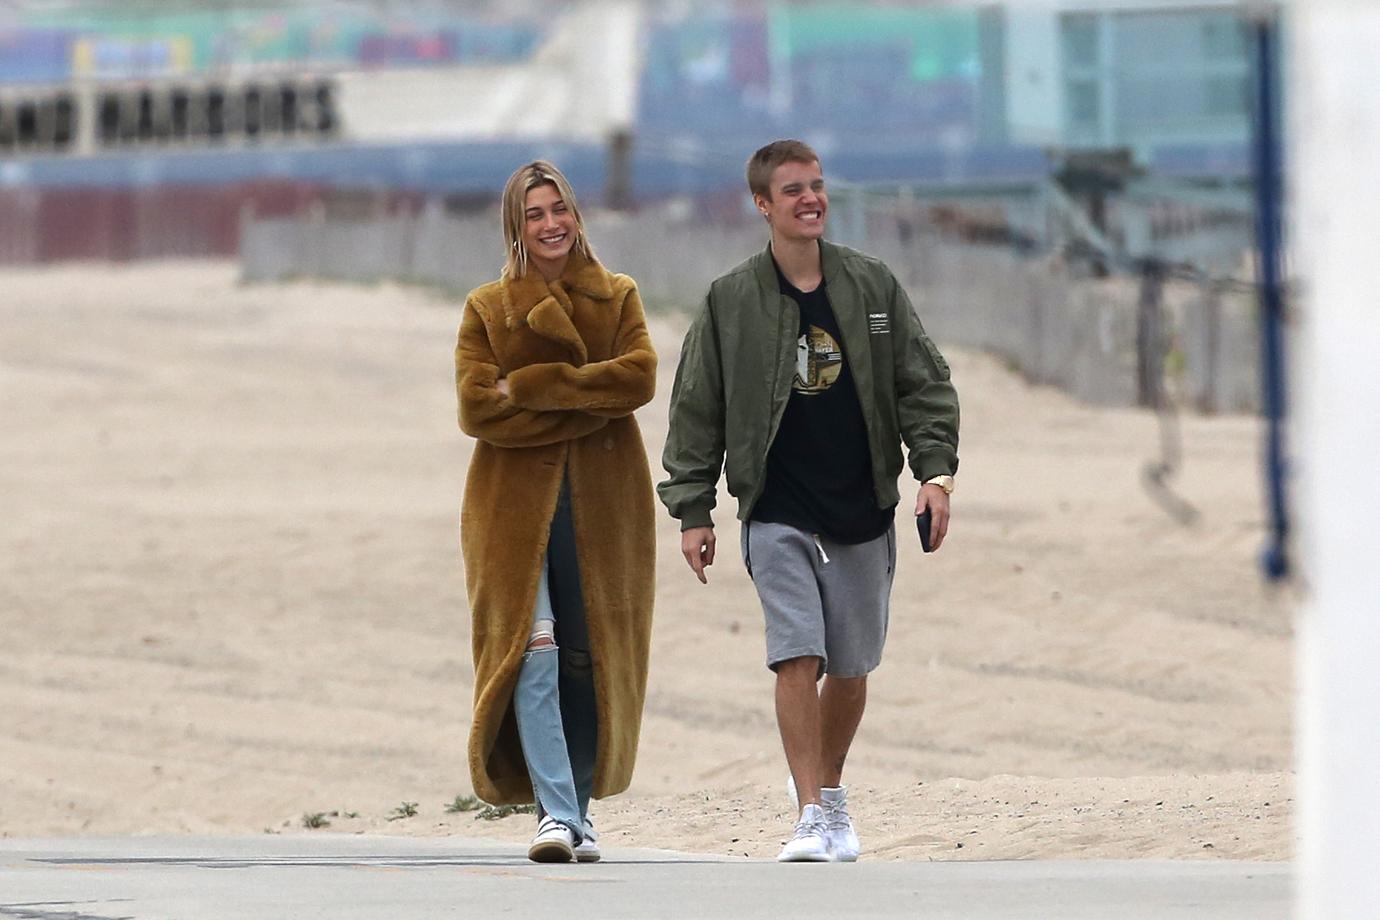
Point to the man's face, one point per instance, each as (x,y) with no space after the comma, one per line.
(798,201)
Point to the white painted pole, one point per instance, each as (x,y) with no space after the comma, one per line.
(1334,138)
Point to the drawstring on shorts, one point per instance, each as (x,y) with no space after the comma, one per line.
(823,556)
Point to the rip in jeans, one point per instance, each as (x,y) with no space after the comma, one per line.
(542,639)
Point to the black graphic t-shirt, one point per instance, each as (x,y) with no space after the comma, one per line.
(819,470)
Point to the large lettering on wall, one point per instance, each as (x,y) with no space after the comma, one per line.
(48,120)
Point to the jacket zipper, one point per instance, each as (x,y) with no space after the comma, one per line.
(787,308)
(853,366)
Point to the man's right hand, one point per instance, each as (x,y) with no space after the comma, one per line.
(697,546)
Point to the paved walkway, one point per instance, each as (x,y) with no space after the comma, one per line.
(393,878)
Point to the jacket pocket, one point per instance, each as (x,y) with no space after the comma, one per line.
(940,364)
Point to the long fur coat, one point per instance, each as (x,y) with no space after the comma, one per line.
(578,361)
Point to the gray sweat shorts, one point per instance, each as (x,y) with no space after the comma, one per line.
(821,598)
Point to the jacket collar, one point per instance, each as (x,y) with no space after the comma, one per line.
(765,269)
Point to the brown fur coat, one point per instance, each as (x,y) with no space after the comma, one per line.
(578,360)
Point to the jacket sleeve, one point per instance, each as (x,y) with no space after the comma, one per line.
(694,453)
(609,389)
(487,414)
(927,403)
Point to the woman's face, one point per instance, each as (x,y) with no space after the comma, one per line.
(548,230)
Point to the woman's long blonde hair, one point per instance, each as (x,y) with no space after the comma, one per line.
(526,178)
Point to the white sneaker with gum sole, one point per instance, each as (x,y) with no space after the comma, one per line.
(554,843)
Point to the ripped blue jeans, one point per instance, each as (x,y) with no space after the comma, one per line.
(554,697)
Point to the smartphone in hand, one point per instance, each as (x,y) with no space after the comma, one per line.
(923,523)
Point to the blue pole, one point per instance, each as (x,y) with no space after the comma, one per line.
(1268,197)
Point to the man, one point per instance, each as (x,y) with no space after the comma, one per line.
(805,368)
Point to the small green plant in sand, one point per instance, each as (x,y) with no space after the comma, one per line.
(405,810)
(464,803)
(494,812)
(315,819)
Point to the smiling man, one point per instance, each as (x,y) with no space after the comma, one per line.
(804,370)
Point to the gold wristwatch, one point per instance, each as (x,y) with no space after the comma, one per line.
(944,481)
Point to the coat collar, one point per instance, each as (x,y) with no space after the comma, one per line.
(764,268)
(582,273)
(546,308)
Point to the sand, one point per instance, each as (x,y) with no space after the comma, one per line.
(231,596)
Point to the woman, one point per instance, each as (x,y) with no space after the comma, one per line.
(557,523)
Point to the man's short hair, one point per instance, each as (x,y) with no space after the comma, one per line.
(763,163)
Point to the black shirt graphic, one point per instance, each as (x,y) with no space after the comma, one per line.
(819,470)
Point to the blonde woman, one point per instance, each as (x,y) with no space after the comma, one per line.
(557,520)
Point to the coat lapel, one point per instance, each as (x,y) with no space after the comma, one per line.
(519,296)
(547,309)
(550,318)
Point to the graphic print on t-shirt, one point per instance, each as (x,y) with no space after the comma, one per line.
(818,362)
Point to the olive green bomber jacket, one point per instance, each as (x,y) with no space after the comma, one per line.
(736,368)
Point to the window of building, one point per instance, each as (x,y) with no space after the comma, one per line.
(1080,40)
(1084,101)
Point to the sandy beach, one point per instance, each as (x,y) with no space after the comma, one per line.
(231,595)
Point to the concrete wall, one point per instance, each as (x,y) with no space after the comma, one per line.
(1078,334)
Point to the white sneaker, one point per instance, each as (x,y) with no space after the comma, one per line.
(554,842)
(811,840)
(843,840)
(588,850)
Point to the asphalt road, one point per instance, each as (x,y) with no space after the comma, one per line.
(358,877)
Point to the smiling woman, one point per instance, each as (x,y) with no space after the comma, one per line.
(541,222)
(548,230)
(557,521)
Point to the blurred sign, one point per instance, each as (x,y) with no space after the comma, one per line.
(39,121)
(119,43)
(132,57)
(216,112)
(380,49)
(841,66)
(34,55)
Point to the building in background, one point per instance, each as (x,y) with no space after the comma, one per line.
(644,101)
(1169,80)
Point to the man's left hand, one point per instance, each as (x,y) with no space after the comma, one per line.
(937,500)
